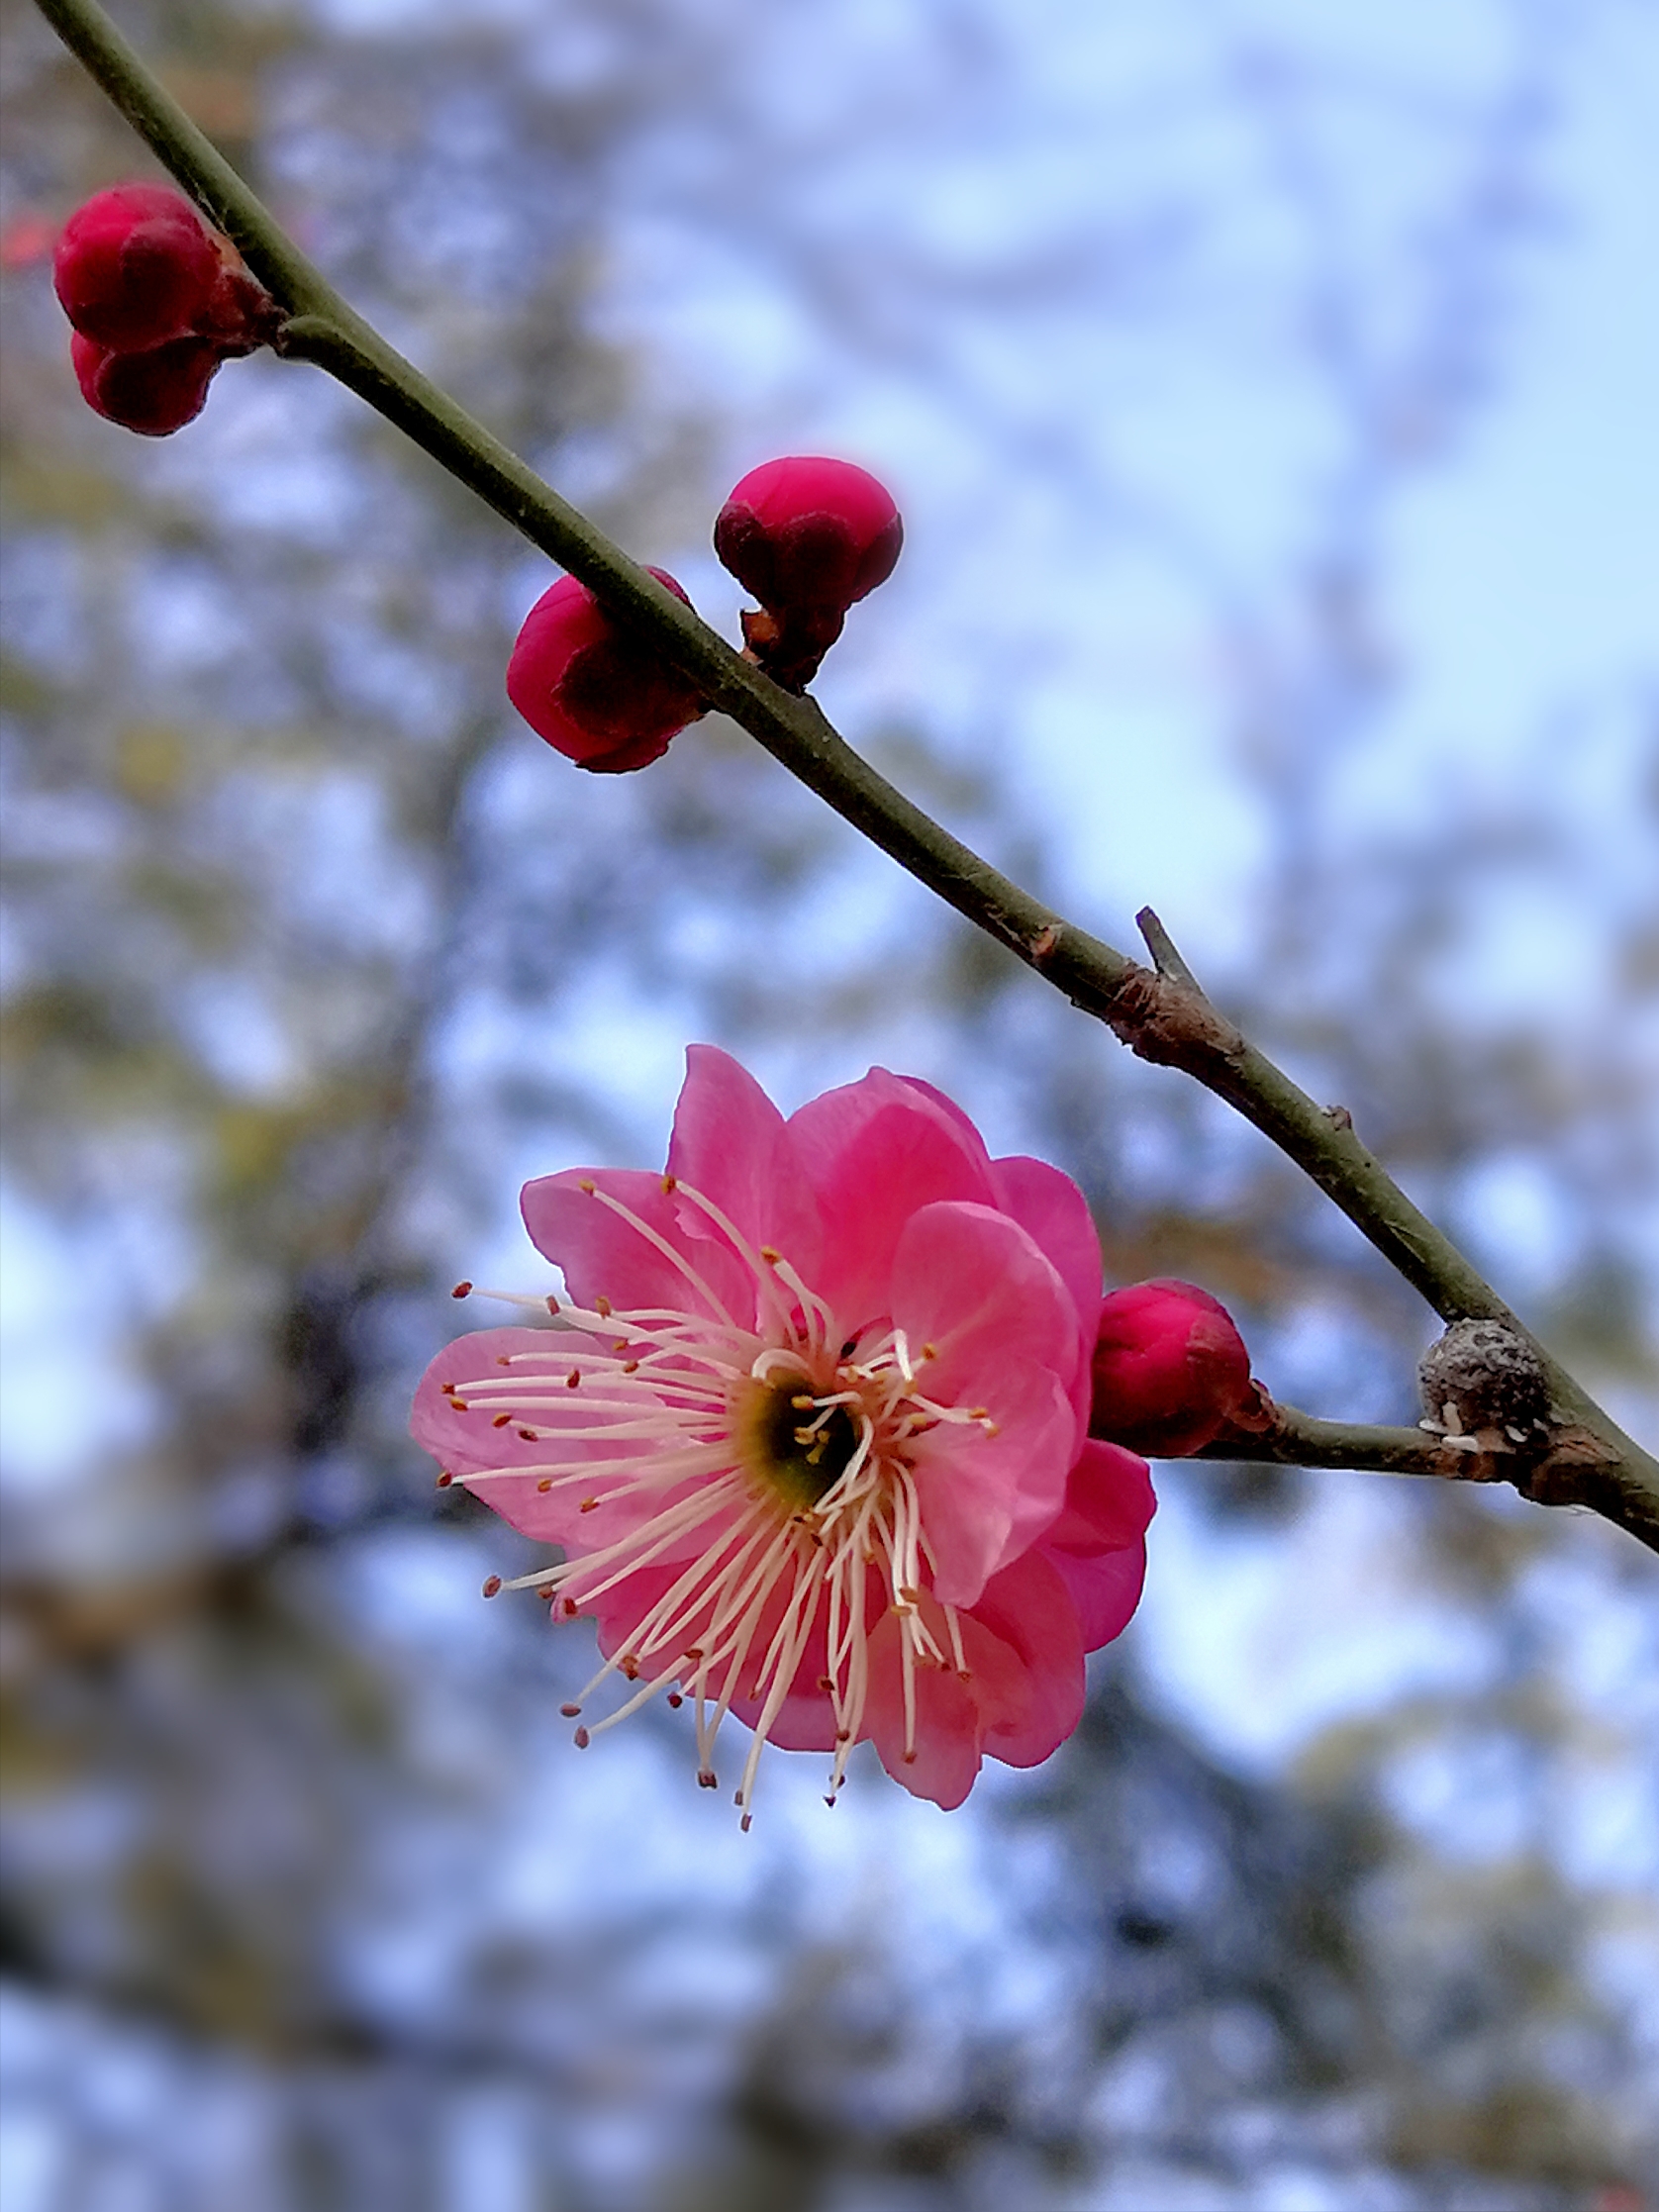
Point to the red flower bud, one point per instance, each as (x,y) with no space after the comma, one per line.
(153,391)
(135,267)
(809,536)
(1170,1369)
(596,690)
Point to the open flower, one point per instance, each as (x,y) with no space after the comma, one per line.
(813,1432)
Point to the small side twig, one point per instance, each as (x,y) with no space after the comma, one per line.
(1166,958)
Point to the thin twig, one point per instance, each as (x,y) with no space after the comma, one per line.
(1160,1014)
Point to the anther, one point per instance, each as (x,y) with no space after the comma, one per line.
(527,1435)
(602,1307)
(444,1480)
(587,1505)
(586,1187)
(501,1420)
(573,1378)
(492,1585)
(546,1595)
(502,1360)
(545,1485)
(631,1367)
(805,1403)
(570,1711)
(582,1739)
(461,1291)
(670,1184)
(568,1609)
(552,1305)
(675,1700)
(707,1778)
(769,1256)
(747,1822)
(930,1351)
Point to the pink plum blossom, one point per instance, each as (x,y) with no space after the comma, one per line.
(812,1432)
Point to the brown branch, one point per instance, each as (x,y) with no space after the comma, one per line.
(1565,1465)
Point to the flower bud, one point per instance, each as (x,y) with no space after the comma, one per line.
(809,536)
(595,689)
(153,391)
(137,267)
(1170,1369)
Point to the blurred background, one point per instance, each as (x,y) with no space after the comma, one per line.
(1269,392)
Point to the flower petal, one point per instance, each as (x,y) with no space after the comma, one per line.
(975,1286)
(458,1427)
(732,1144)
(946,1756)
(1053,1212)
(1027,1608)
(605,1254)
(874,1152)
(1097,1543)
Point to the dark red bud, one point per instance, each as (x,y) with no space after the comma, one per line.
(596,690)
(137,267)
(803,534)
(155,392)
(1170,1369)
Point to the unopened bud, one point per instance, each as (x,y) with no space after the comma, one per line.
(134,267)
(597,690)
(809,537)
(1170,1369)
(155,392)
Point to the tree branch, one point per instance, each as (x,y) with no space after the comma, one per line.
(1544,1470)
(1159,1013)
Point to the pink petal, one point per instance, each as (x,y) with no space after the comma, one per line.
(1027,1609)
(1109,1501)
(1053,1212)
(984,1499)
(875,1151)
(969,1284)
(732,1144)
(1097,1544)
(468,1443)
(947,1755)
(1105,1590)
(975,1286)
(603,1255)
